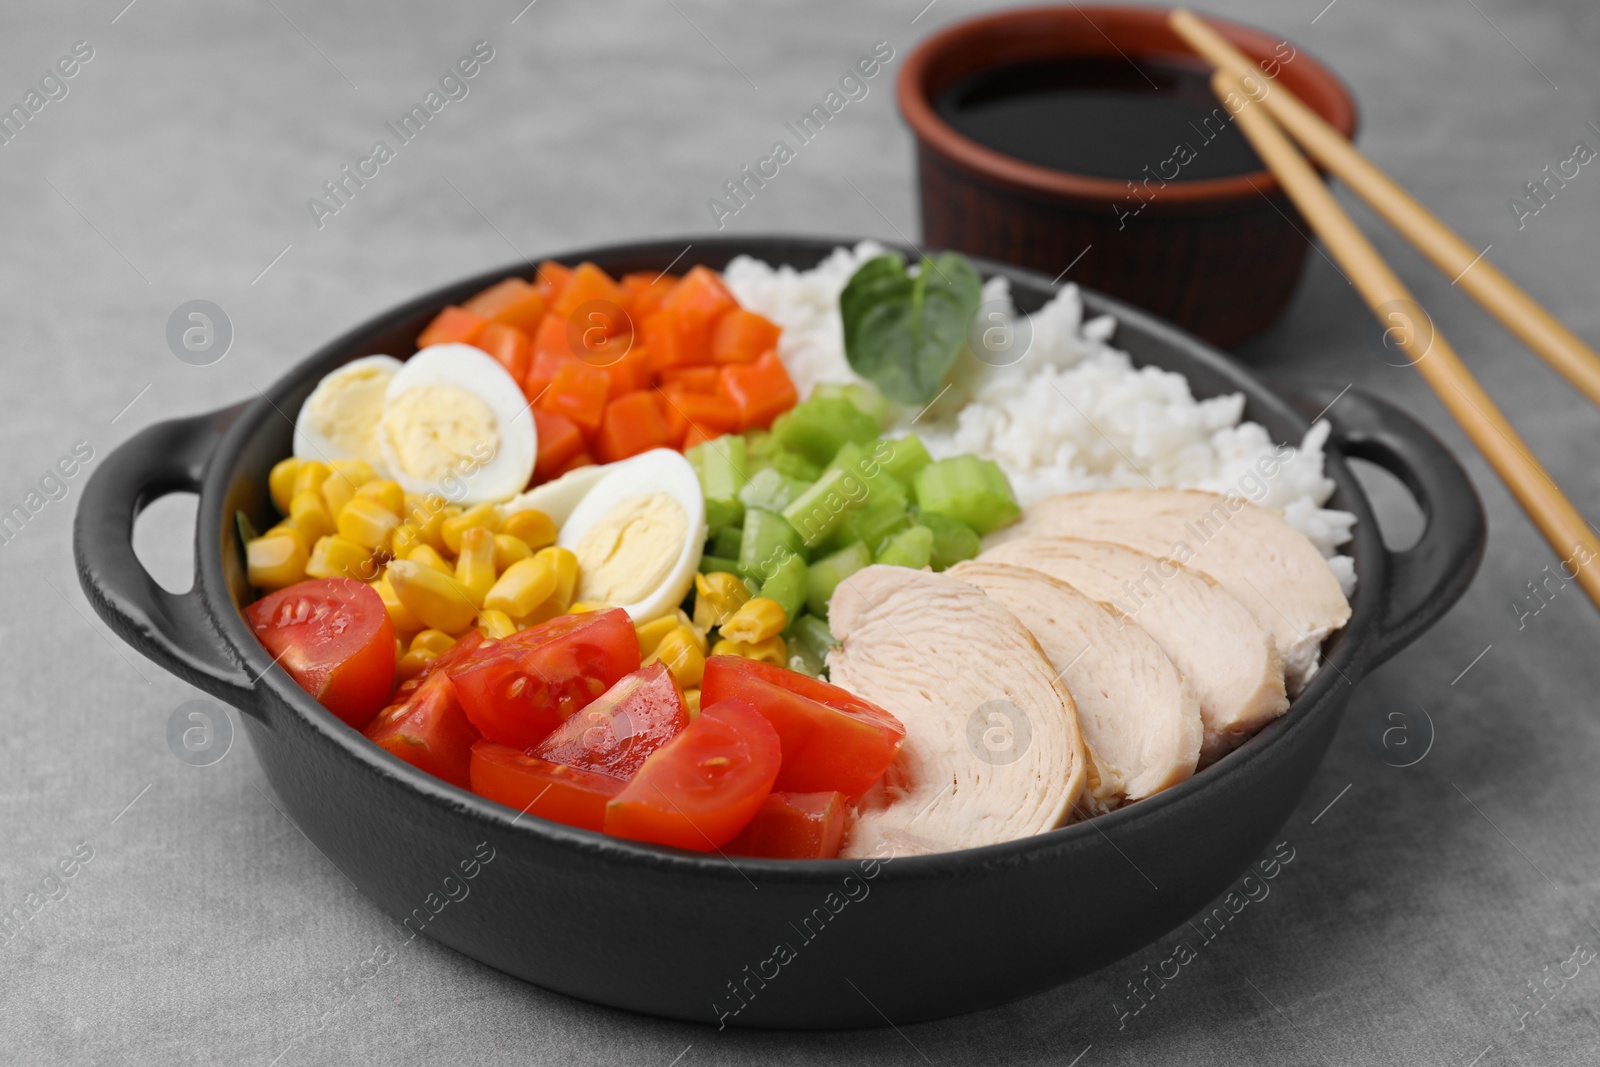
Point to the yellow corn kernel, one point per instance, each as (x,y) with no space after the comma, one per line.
(524,586)
(486,516)
(700,635)
(508,549)
(650,633)
(435,641)
(309,477)
(339,557)
(425,555)
(357,472)
(427,515)
(403,539)
(772,650)
(367,522)
(276,560)
(280,483)
(495,625)
(385,492)
(532,527)
(288,529)
(411,664)
(565,565)
(680,652)
(691,701)
(756,620)
(584,607)
(310,515)
(337,491)
(717,596)
(399,614)
(436,599)
(475,565)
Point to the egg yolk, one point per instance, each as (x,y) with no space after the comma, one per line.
(346,408)
(434,429)
(632,550)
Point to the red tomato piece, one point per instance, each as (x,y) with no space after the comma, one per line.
(831,738)
(742,336)
(538,787)
(446,661)
(702,787)
(632,423)
(452,325)
(428,730)
(526,685)
(560,441)
(335,639)
(759,391)
(578,391)
(619,731)
(794,826)
(510,347)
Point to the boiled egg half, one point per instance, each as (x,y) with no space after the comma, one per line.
(638,533)
(455,423)
(339,420)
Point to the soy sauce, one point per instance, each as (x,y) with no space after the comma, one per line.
(1102,117)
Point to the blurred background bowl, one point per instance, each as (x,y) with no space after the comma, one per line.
(1218,256)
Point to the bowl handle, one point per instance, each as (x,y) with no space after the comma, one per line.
(172,629)
(1428,578)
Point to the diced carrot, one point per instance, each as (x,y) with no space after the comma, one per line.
(643,292)
(578,391)
(591,285)
(633,423)
(551,337)
(582,459)
(677,421)
(698,301)
(697,436)
(560,441)
(514,302)
(672,344)
(710,412)
(692,379)
(759,391)
(542,371)
(510,347)
(551,279)
(630,371)
(741,336)
(453,324)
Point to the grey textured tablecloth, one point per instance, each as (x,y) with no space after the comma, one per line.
(1421,903)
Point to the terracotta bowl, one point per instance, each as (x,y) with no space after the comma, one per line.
(1220,256)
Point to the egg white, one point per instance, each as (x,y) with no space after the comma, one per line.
(309,442)
(508,471)
(557,498)
(660,470)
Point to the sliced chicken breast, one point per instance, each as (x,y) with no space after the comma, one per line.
(1266,564)
(993,749)
(1140,716)
(1211,638)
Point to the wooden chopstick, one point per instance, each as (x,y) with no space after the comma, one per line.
(1465,265)
(1562,525)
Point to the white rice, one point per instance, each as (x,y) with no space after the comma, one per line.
(1067,411)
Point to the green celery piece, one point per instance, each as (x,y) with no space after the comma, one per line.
(816,428)
(879,518)
(912,547)
(824,575)
(711,564)
(788,586)
(760,451)
(863,395)
(953,541)
(768,541)
(796,466)
(969,490)
(875,484)
(817,512)
(771,489)
(901,457)
(804,661)
(812,632)
(723,463)
(726,542)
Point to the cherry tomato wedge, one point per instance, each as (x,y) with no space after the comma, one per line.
(702,787)
(831,738)
(519,689)
(794,826)
(335,639)
(427,729)
(538,787)
(619,731)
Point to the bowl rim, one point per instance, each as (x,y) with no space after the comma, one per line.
(935,134)
(1342,661)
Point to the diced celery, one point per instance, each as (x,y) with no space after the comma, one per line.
(878,518)
(796,466)
(969,490)
(712,564)
(863,395)
(816,428)
(824,575)
(875,484)
(804,661)
(817,512)
(787,586)
(953,541)
(722,467)
(760,450)
(901,457)
(771,489)
(768,540)
(726,542)
(812,632)
(912,547)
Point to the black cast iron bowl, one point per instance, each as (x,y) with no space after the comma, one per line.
(680,934)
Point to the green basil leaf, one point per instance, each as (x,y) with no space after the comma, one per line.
(903,333)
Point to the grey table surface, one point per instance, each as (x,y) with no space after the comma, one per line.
(1423,901)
